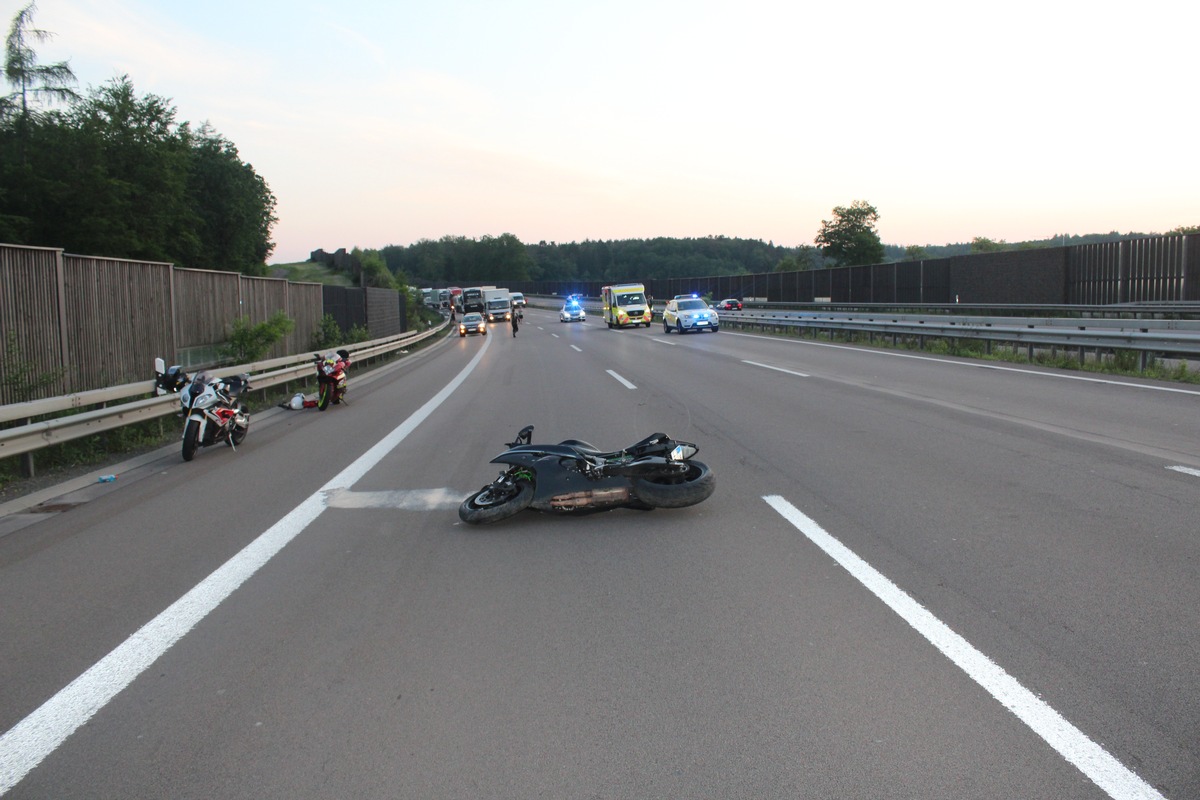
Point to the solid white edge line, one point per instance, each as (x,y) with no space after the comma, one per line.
(1072,744)
(1187,470)
(977,364)
(624,382)
(31,740)
(777,369)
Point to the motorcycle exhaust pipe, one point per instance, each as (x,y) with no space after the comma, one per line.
(597,497)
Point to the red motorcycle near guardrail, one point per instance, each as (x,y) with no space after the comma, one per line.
(331,378)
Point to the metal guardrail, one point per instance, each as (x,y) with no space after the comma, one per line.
(263,374)
(1145,336)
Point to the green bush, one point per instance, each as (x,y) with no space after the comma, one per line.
(248,343)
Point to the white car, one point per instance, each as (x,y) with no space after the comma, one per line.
(518,299)
(684,314)
(572,311)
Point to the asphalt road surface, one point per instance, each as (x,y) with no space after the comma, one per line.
(919,577)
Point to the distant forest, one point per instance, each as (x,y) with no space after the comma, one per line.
(457,259)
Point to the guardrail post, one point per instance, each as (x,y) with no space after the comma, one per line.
(28,468)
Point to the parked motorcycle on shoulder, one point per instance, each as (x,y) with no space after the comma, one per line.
(331,377)
(211,406)
(574,477)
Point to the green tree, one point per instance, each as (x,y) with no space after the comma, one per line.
(914,252)
(116,175)
(373,270)
(850,238)
(54,82)
(231,206)
(804,258)
(131,163)
(982,244)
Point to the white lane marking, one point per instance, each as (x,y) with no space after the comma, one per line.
(663,340)
(627,384)
(777,369)
(1071,743)
(1187,470)
(576,349)
(401,499)
(976,364)
(555,335)
(27,743)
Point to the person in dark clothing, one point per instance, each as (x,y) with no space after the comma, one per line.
(514,324)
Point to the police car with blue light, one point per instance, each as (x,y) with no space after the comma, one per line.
(572,311)
(690,313)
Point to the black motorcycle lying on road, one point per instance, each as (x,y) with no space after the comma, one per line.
(573,477)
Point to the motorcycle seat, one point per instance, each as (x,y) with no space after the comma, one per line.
(581,445)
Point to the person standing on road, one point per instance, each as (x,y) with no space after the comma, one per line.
(514,324)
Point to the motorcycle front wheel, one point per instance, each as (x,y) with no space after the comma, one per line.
(191,439)
(677,491)
(323,397)
(495,502)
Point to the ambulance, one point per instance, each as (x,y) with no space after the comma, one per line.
(625,304)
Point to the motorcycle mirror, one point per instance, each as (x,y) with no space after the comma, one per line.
(160,366)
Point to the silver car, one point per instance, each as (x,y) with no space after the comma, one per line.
(572,311)
(684,314)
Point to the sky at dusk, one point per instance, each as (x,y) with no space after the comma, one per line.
(378,123)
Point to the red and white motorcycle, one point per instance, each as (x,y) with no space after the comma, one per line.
(211,407)
(331,377)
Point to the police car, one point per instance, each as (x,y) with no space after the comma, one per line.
(690,313)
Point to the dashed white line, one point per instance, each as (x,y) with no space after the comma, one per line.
(777,369)
(576,349)
(1071,743)
(626,383)
(1187,470)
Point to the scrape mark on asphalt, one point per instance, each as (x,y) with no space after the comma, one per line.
(398,499)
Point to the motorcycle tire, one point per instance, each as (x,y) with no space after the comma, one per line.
(694,486)
(238,432)
(493,503)
(191,439)
(323,397)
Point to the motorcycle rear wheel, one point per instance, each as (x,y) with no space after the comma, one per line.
(238,432)
(692,487)
(191,439)
(495,502)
